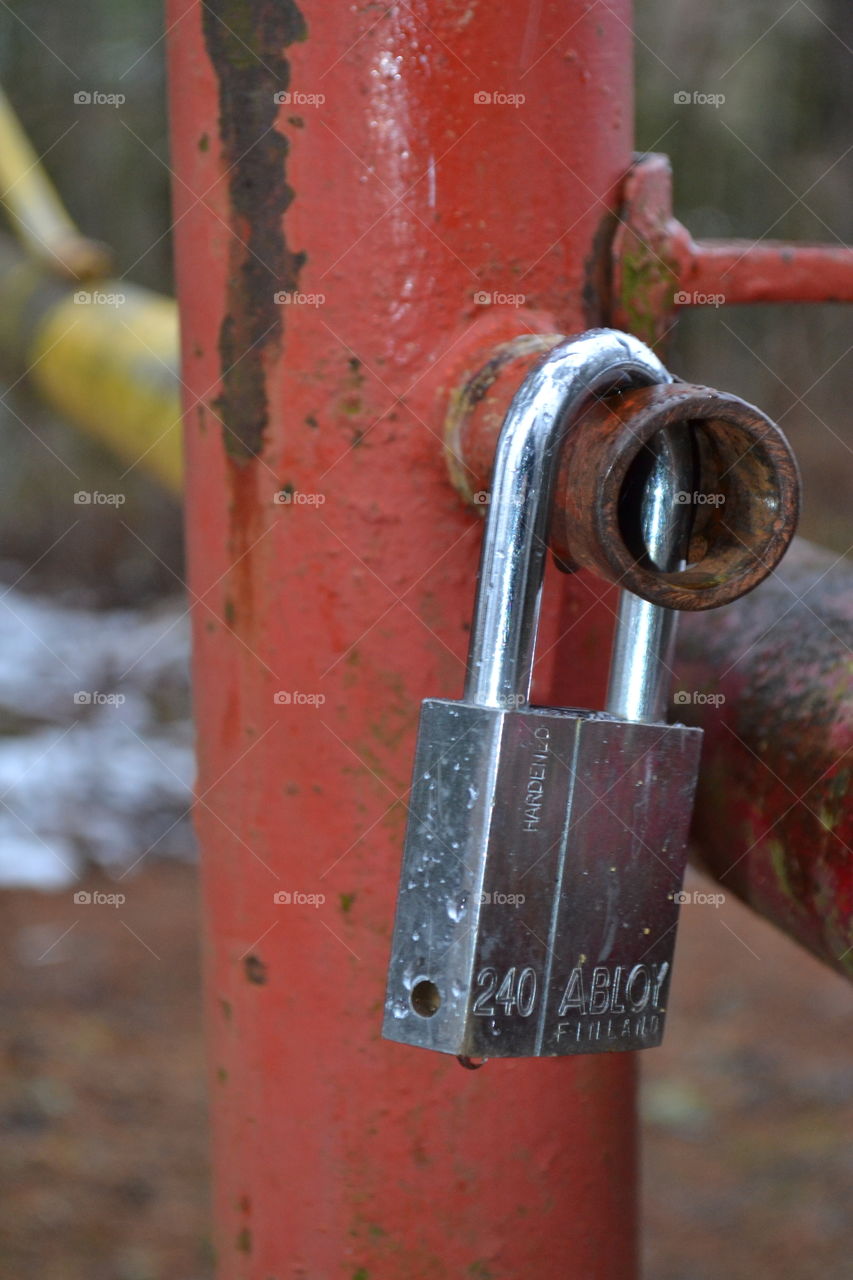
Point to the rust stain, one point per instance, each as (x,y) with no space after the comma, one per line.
(246,41)
(597,293)
(255,970)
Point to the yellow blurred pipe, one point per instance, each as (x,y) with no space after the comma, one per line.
(105,358)
(112,370)
(39,218)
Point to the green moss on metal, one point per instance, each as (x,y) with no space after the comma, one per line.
(640,284)
(648,283)
(780,867)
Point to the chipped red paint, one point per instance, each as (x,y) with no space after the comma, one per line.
(771,683)
(338,1156)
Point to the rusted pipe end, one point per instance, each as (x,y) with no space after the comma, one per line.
(744,497)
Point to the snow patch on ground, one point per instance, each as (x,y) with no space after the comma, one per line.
(96,747)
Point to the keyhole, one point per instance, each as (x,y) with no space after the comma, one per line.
(425,998)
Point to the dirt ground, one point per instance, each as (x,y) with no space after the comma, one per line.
(748,1109)
(102,1103)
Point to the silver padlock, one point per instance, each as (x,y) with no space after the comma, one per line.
(546,847)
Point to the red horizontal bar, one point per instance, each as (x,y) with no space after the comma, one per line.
(762,271)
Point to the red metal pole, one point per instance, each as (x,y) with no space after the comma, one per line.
(402,179)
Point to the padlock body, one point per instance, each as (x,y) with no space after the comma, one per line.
(537,911)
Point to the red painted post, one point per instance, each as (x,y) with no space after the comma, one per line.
(402,179)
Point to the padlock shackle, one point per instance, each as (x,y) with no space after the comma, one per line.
(644,642)
(515,539)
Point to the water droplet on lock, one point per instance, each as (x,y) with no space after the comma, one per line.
(473,793)
(456,906)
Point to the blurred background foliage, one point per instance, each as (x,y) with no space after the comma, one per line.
(773,161)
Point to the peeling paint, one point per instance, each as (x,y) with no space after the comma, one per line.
(256,970)
(245,41)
